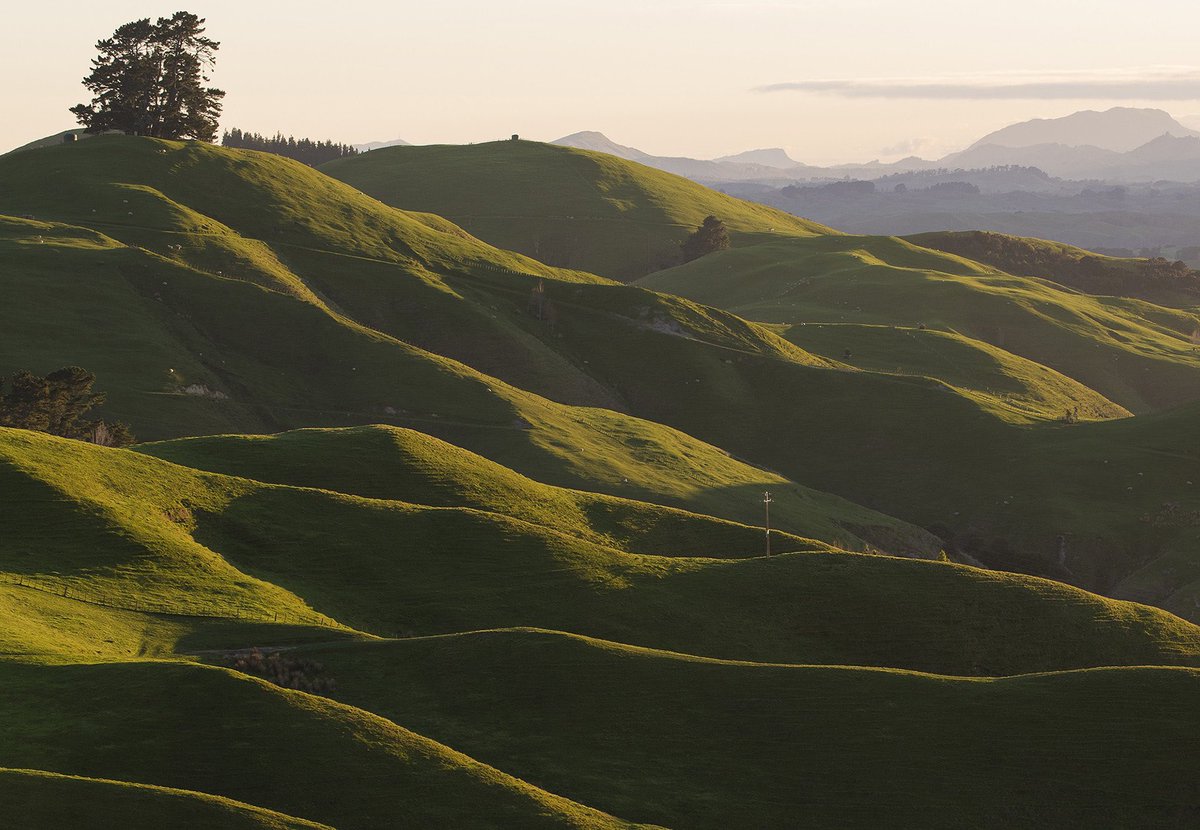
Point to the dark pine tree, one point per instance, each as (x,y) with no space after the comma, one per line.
(710,237)
(150,79)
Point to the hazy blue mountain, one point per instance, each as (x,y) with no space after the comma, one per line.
(1119,129)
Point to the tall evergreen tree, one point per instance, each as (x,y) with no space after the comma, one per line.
(150,79)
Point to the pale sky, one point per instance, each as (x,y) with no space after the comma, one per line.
(830,82)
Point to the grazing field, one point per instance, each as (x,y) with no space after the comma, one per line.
(561,205)
(423,532)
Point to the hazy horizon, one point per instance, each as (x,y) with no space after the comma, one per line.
(850,82)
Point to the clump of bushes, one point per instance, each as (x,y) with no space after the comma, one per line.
(289,672)
(710,237)
(58,404)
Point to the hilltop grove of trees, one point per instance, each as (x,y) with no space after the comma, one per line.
(58,404)
(150,79)
(304,149)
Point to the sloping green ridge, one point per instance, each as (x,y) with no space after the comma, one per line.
(185,351)
(803,420)
(1155,280)
(564,206)
(194,353)
(391,463)
(1013,387)
(178,540)
(213,731)
(48,801)
(904,445)
(41,625)
(695,743)
(1136,354)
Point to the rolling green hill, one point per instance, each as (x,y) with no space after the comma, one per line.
(516,518)
(47,801)
(564,206)
(183,347)
(135,536)
(1155,280)
(1012,387)
(231,736)
(391,463)
(696,743)
(549,721)
(184,351)
(1137,355)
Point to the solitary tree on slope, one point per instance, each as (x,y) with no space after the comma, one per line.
(710,237)
(150,79)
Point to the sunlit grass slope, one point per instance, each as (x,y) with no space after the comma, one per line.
(1139,355)
(212,731)
(118,528)
(114,527)
(38,624)
(688,742)
(48,801)
(561,205)
(909,446)
(192,353)
(1155,280)
(801,420)
(1013,387)
(183,347)
(382,462)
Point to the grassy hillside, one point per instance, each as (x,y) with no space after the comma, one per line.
(688,742)
(1155,280)
(563,206)
(38,623)
(381,462)
(1137,355)
(231,736)
(516,516)
(47,801)
(172,338)
(184,347)
(1012,387)
(177,541)
(549,722)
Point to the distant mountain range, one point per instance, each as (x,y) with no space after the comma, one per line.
(750,166)
(376,145)
(1122,144)
(1119,129)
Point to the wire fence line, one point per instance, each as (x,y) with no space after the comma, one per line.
(62,588)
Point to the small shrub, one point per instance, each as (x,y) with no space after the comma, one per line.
(289,672)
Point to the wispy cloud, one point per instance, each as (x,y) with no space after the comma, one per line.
(1151,84)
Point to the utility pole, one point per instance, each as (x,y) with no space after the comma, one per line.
(767,508)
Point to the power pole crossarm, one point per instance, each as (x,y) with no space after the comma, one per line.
(767,509)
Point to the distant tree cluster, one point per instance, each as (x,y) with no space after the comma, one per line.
(58,404)
(842,189)
(303,149)
(1035,172)
(1145,279)
(150,79)
(710,237)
